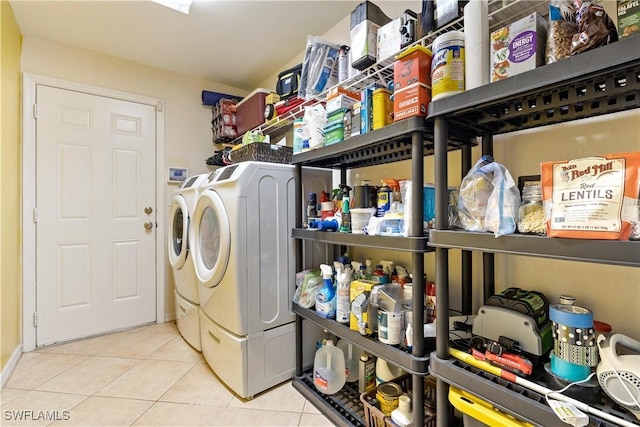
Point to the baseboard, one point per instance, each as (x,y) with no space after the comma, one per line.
(10,366)
(169,317)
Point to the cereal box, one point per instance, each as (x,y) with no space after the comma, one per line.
(628,18)
(518,47)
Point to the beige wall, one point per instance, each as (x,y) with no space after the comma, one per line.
(10,238)
(187,123)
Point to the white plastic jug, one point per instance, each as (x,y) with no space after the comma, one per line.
(329,369)
(352,355)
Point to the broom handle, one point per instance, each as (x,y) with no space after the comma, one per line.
(509,376)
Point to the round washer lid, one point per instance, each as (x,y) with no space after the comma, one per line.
(212,245)
(178,232)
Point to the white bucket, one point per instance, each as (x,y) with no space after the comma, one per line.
(447,65)
(360,218)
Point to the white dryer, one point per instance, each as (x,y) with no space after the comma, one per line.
(245,264)
(186,294)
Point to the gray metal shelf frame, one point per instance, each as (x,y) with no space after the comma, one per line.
(600,81)
(406,139)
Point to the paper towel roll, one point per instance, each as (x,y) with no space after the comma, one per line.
(476,43)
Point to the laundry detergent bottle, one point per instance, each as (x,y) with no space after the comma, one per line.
(329,369)
(326,298)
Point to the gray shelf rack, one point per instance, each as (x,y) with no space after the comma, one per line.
(407,139)
(601,81)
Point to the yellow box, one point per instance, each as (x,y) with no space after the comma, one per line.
(359,287)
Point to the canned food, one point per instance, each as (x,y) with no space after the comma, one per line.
(388,395)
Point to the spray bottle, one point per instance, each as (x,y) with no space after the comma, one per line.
(345,226)
(343,304)
(326,298)
(369,267)
(356,270)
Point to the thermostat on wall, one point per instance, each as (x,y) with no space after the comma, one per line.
(178,175)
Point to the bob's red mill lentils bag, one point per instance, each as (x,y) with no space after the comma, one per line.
(592,198)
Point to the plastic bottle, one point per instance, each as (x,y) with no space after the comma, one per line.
(369,265)
(352,355)
(326,298)
(386,371)
(379,275)
(343,303)
(326,336)
(345,226)
(403,415)
(328,369)
(366,373)
(384,199)
(312,207)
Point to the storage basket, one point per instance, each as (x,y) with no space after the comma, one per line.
(262,152)
(374,417)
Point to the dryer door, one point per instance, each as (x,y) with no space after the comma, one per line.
(178,232)
(213,238)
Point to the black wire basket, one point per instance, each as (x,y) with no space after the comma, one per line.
(261,152)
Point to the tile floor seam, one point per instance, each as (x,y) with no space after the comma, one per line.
(95,393)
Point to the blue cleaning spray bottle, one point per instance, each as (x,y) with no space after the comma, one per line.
(326,298)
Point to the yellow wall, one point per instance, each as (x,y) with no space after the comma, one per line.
(10,240)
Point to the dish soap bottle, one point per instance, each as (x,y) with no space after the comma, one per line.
(345,226)
(328,369)
(326,298)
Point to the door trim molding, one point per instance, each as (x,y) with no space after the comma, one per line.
(29,83)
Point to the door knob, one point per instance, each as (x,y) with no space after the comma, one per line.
(148,210)
(148,225)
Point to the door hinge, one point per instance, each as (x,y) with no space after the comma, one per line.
(35,319)
(35,215)
(35,111)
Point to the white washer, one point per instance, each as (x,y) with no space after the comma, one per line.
(186,294)
(245,264)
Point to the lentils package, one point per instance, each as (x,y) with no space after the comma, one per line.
(593,197)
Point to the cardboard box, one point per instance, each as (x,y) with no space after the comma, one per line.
(366,109)
(411,101)
(355,119)
(628,18)
(359,287)
(341,101)
(339,90)
(389,39)
(412,66)
(366,19)
(445,11)
(518,47)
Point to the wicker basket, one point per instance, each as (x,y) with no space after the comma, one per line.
(374,417)
(261,152)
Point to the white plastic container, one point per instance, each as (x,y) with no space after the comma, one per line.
(343,290)
(352,355)
(402,415)
(386,372)
(447,65)
(360,218)
(329,369)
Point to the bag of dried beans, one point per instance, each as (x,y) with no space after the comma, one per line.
(593,197)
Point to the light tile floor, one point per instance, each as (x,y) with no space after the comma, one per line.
(148,376)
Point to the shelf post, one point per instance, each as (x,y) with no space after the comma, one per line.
(467,258)
(297,174)
(440,131)
(417,199)
(488,259)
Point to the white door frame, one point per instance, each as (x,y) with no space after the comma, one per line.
(29,82)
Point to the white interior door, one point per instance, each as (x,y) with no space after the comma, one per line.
(96,214)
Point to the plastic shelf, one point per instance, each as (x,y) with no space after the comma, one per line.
(599,81)
(391,143)
(406,361)
(596,251)
(342,408)
(407,244)
(514,399)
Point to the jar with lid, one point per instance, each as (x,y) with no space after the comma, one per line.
(531,212)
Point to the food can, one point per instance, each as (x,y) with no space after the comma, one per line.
(447,65)
(388,395)
(382,108)
(390,326)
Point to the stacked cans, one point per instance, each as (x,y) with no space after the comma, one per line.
(574,342)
